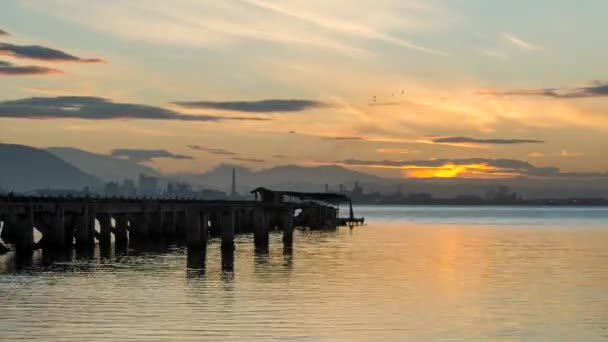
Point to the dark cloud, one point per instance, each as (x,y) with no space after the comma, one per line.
(10,69)
(217,151)
(141,155)
(596,89)
(42,53)
(4,33)
(344,138)
(494,141)
(263,106)
(93,108)
(249,160)
(496,166)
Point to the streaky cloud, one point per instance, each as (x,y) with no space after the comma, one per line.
(42,53)
(344,138)
(595,89)
(144,155)
(218,151)
(249,160)
(493,141)
(10,69)
(4,33)
(94,108)
(261,106)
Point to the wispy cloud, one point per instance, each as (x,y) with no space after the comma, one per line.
(351,28)
(491,141)
(4,33)
(261,106)
(145,155)
(218,151)
(520,42)
(344,138)
(249,160)
(10,69)
(42,53)
(494,54)
(94,108)
(393,151)
(596,89)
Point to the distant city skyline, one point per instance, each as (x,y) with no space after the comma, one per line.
(410,89)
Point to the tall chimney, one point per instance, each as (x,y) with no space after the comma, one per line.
(233,189)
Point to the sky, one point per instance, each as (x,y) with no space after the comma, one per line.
(400,88)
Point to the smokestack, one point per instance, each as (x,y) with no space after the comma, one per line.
(233,189)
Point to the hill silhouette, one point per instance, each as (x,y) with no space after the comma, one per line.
(102,166)
(26,168)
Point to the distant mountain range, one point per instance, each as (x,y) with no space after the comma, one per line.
(292,177)
(103,166)
(24,168)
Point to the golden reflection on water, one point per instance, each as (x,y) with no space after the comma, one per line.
(385,281)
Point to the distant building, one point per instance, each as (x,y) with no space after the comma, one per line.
(148,186)
(112,189)
(179,189)
(127,189)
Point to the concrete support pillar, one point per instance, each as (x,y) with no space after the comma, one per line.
(180,223)
(138,228)
(120,232)
(226,223)
(155,223)
(56,235)
(9,230)
(105,228)
(260,230)
(25,232)
(193,228)
(169,223)
(85,238)
(287,225)
(227,227)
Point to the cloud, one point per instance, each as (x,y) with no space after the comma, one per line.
(344,138)
(494,141)
(10,69)
(393,151)
(519,42)
(262,106)
(42,53)
(595,89)
(94,108)
(4,33)
(352,28)
(467,167)
(143,155)
(217,151)
(280,156)
(249,160)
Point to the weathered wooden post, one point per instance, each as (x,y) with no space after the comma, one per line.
(260,229)
(287,223)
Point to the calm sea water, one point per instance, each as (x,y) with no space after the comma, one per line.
(410,274)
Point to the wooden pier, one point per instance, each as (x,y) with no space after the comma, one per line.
(66,223)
